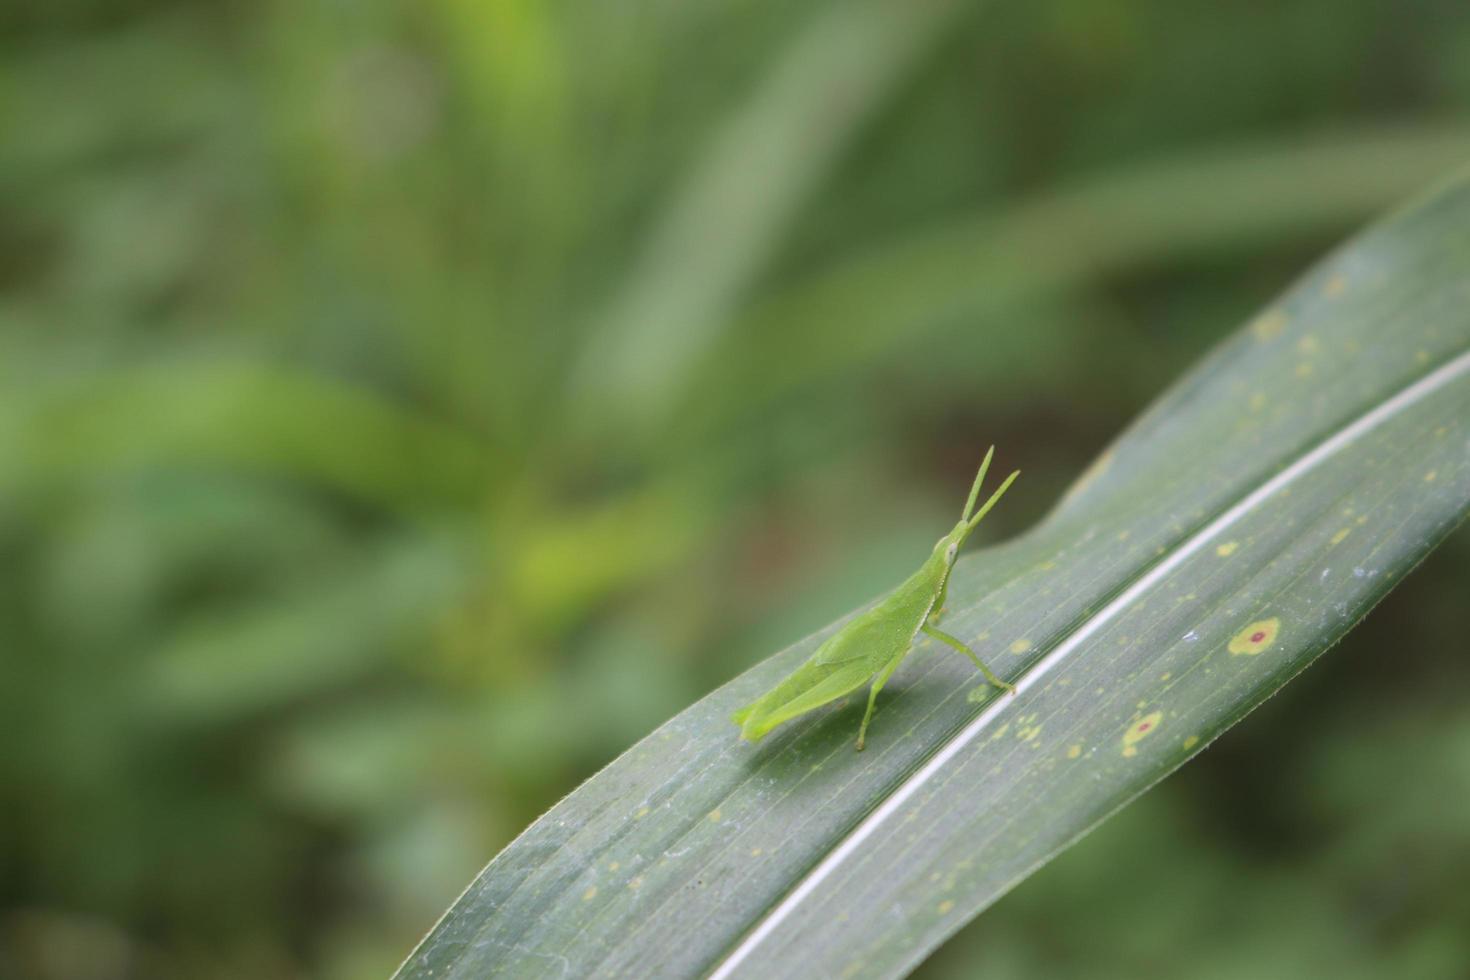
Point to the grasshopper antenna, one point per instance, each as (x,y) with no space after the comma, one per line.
(970,526)
(975,490)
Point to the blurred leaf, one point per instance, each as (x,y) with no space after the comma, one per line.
(979,267)
(722,226)
(241,415)
(1239,528)
(567,560)
(317,636)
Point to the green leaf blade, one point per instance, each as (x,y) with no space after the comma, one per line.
(1233,534)
(1121,701)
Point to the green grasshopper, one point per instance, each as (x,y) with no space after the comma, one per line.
(872,645)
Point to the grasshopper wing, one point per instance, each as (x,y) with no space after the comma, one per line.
(808,687)
(844,663)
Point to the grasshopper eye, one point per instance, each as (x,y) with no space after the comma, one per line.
(951,551)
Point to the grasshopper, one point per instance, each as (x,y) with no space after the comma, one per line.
(872,645)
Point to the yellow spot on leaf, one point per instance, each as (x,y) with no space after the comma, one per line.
(614,866)
(636,883)
(1341,535)
(1166,675)
(1140,729)
(1191,742)
(1304,369)
(1422,356)
(1335,286)
(1269,324)
(1000,732)
(1020,646)
(642,812)
(1227,549)
(714,816)
(1257,402)
(589,894)
(755,852)
(1308,346)
(1073,751)
(945,907)
(1429,477)
(1256,637)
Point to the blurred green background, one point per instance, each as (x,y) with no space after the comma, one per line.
(405,406)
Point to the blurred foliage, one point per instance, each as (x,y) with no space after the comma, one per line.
(405,406)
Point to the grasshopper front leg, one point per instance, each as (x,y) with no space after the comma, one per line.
(989,675)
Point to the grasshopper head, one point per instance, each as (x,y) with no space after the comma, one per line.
(948,547)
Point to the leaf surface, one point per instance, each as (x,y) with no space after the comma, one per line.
(1231,535)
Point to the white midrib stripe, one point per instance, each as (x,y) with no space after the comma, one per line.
(1344,437)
